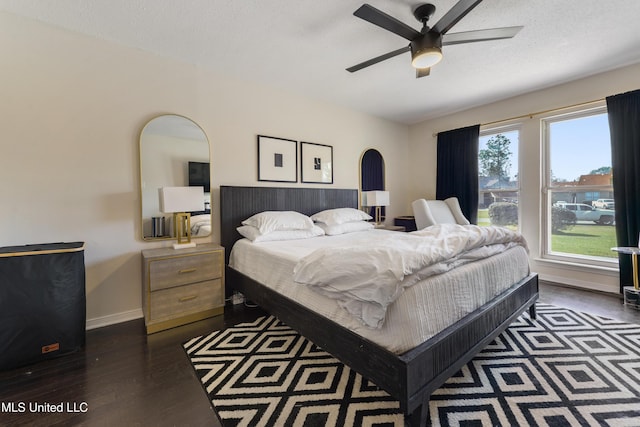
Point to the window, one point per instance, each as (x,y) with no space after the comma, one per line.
(579,209)
(498,177)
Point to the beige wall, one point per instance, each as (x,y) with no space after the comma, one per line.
(423,159)
(72,109)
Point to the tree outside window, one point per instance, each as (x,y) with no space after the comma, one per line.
(498,178)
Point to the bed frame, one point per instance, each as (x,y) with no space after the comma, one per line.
(410,377)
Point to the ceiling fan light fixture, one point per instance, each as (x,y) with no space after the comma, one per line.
(426,58)
(426,51)
(426,45)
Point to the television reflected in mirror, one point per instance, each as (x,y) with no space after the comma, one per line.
(199,175)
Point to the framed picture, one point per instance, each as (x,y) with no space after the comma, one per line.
(316,163)
(277,159)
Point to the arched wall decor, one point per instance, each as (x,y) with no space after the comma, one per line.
(372,174)
(171,146)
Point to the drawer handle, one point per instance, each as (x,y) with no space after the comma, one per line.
(188,298)
(187,270)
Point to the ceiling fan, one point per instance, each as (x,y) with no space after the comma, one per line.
(426,45)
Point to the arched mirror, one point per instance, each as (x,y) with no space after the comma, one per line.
(174,152)
(372,174)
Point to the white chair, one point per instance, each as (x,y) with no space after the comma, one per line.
(430,212)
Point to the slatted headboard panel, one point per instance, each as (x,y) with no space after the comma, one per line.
(239,203)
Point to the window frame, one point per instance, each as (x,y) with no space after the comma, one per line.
(548,189)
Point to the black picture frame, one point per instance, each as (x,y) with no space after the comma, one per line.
(316,163)
(277,159)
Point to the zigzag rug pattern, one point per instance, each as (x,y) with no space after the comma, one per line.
(563,369)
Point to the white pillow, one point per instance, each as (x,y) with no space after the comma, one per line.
(340,216)
(269,221)
(347,227)
(255,236)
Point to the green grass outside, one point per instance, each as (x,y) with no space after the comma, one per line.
(483,217)
(582,239)
(587,239)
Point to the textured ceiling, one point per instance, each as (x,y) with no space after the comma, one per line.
(304,46)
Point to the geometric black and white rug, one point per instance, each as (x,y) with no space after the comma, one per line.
(563,369)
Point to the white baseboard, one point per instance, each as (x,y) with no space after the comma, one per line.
(112,319)
(593,286)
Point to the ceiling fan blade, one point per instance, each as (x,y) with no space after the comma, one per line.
(422,72)
(389,23)
(480,35)
(455,14)
(378,59)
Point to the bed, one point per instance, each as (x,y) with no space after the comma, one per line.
(200,224)
(410,376)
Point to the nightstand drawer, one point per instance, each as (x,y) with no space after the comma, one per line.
(184,300)
(182,286)
(170,272)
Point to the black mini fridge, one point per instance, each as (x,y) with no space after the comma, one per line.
(42,302)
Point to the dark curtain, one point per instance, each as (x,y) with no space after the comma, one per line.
(457,168)
(624,126)
(372,169)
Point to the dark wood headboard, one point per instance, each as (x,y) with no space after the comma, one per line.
(239,203)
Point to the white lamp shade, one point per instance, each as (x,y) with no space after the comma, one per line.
(377,198)
(181,199)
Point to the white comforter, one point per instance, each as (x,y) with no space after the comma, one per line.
(366,277)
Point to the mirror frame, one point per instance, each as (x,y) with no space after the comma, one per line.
(142,182)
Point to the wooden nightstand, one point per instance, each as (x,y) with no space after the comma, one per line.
(182,286)
(408,222)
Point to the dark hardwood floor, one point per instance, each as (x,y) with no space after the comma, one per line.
(126,378)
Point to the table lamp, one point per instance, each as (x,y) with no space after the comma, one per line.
(180,201)
(376,199)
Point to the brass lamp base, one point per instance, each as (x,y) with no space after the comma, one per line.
(378,215)
(184,245)
(182,221)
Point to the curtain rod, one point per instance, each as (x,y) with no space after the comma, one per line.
(537,113)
